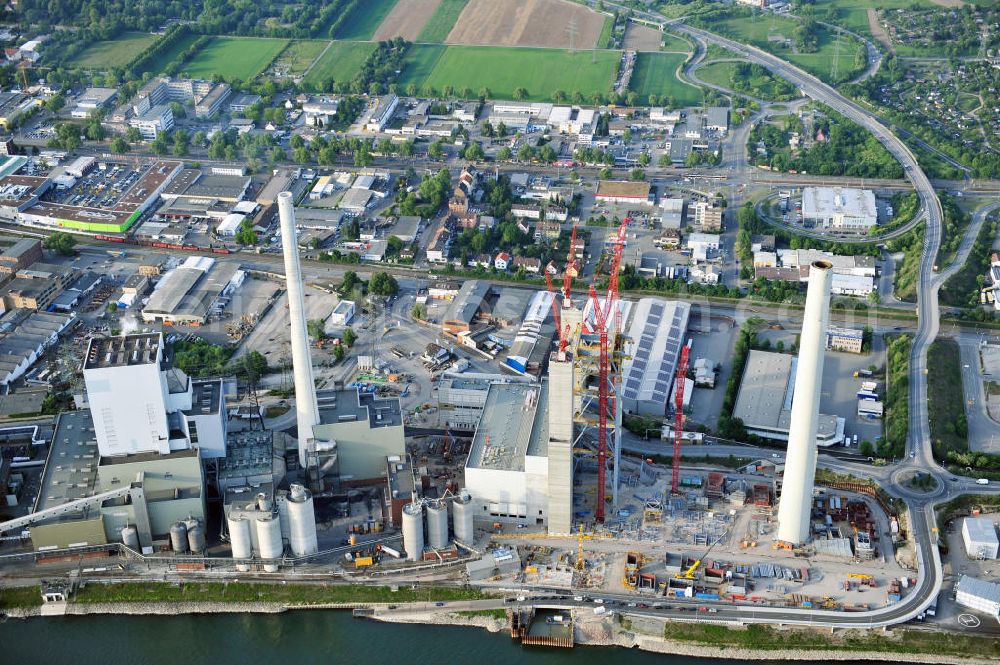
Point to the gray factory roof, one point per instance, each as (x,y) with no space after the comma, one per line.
(196,184)
(511,305)
(657,335)
(71,468)
(400,477)
(121,351)
(248,454)
(338,406)
(206,398)
(468,301)
(189,291)
(765,398)
(514,423)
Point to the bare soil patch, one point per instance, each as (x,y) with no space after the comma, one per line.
(551,23)
(406,19)
(878,32)
(640,37)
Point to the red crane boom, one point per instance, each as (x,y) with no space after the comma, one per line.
(601,320)
(563,334)
(682,371)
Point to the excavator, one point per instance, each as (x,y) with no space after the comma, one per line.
(689,574)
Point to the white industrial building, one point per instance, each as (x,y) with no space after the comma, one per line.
(980,537)
(342,314)
(520,464)
(978,595)
(703,246)
(655,338)
(192,291)
(839,208)
(142,404)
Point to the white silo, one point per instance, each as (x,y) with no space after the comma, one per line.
(437,526)
(178,537)
(413,531)
(461,512)
(302,521)
(795,504)
(240,540)
(130,537)
(196,536)
(269,541)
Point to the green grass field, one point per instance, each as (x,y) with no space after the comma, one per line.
(656,74)
(853,14)
(169,56)
(116,52)
(440,24)
(299,55)
(540,71)
(675,43)
(341,62)
(362,23)
(240,58)
(606,30)
(760,30)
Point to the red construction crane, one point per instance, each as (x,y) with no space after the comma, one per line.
(602,316)
(682,371)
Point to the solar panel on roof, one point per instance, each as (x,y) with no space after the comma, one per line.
(660,386)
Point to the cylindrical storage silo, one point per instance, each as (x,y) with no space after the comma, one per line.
(281,503)
(269,541)
(437,526)
(178,537)
(302,518)
(196,537)
(240,540)
(461,510)
(413,531)
(130,537)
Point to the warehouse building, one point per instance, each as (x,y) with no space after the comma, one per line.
(978,595)
(655,337)
(980,537)
(764,403)
(466,307)
(839,208)
(533,339)
(24,337)
(191,292)
(367,429)
(18,253)
(613,191)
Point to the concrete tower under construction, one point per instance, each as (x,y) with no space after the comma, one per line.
(795,504)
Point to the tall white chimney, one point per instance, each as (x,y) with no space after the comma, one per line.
(795,505)
(306,408)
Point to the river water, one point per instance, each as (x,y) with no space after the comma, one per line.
(293,638)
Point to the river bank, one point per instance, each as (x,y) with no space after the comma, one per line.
(643,634)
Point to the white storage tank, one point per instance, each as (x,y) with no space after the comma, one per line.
(461,510)
(240,540)
(178,537)
(413,531)
(437,526)
(130,537)
(302,521)
(269,541)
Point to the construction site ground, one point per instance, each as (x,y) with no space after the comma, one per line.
(682,533)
